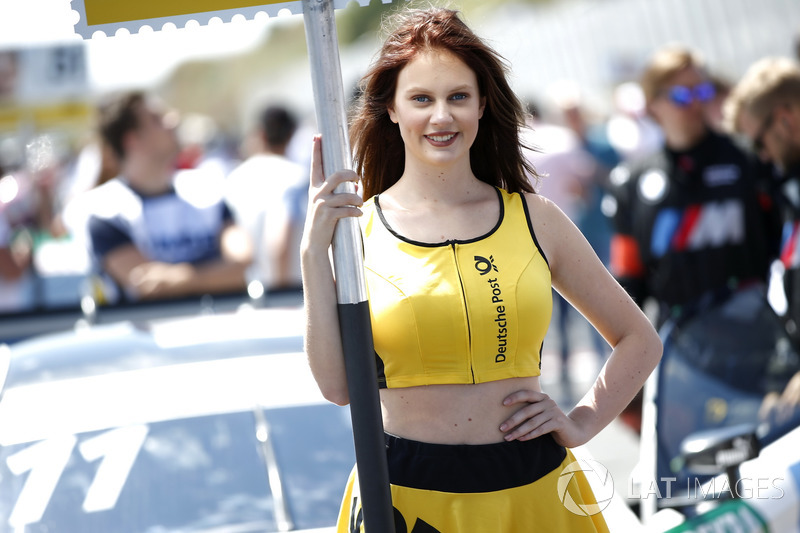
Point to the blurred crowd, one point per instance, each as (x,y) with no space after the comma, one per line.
(152,204)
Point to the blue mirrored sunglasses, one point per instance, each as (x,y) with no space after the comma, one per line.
(683,96)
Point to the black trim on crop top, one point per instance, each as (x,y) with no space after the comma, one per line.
(457,241)
(444,243)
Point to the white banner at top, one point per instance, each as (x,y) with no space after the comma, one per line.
(109,16)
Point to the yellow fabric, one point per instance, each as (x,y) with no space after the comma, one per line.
(533,508)
(459,311)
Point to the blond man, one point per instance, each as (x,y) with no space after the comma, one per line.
(764,107)
(688,222)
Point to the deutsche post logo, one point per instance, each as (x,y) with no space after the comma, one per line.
(483,265)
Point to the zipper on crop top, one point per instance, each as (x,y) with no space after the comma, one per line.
(466,308)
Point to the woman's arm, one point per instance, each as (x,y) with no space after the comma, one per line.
(584,281)
(323,343)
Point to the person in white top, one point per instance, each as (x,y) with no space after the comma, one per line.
(266,194)
(156,232)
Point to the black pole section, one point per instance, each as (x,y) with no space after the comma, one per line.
(353,307)
(370,446)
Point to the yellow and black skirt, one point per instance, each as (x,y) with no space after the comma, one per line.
(508,487)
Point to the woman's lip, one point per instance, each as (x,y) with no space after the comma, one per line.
(441,139)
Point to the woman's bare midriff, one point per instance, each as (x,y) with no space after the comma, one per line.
(452,414)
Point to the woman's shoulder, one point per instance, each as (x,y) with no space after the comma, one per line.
(549,223)
(368,212)
(370,205)
(539,206)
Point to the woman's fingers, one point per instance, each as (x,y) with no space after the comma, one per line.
(318,179)
(535,410)
(322,188)
(535,427)
(524,396)
(341,203)
(337,178)
(538,415)
(326,206)
(317,172)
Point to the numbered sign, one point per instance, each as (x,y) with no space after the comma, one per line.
(108,16)
(44,87)
(44,74)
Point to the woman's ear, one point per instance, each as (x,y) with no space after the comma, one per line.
(392,114)
(482,107)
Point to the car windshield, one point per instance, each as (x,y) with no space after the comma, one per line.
(206,423)
(195,474)
(720,369)
(129,345)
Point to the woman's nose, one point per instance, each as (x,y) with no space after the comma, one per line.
(442,113)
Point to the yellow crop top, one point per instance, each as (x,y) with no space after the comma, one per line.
(457,311)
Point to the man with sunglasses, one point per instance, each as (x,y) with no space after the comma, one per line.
(764,107)
(692,219)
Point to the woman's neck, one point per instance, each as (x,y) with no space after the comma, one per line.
(440,185)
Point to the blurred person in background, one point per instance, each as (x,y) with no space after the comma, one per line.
(205,146)
(94,165)
(15,259)
(714,107)
(16,285)
(764,107)
(267,193)
(630,130)
(155,232)
(592,135)
(692,220)
(565,172)
(28,203)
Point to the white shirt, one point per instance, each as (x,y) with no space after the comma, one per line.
(265,193)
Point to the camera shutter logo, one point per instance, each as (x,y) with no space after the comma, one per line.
(603,486)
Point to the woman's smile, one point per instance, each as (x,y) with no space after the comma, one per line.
(441,139)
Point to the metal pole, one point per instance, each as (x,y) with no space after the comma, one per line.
(354,318)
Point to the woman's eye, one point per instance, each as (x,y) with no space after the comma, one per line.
(421,99)
(459,96)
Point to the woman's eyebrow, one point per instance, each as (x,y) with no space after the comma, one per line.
(462,87)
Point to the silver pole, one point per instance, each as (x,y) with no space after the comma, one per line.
(354,317)
(326,76)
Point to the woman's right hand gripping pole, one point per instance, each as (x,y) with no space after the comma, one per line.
(323,343)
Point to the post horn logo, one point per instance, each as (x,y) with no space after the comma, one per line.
(483,265)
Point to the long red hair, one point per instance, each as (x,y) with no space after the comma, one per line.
(497,155)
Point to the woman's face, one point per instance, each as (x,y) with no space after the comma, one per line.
(437,106)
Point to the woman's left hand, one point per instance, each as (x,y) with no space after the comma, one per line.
(539,414)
